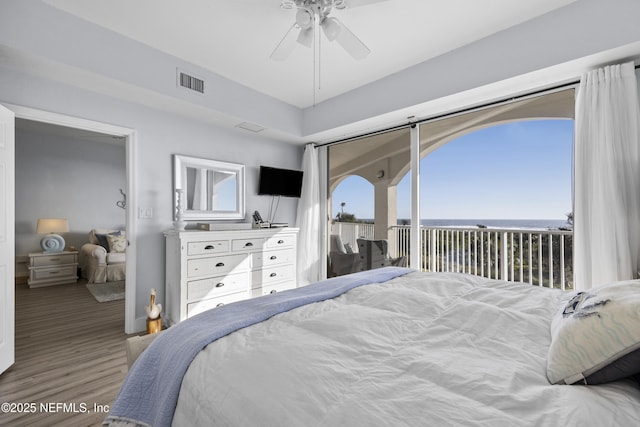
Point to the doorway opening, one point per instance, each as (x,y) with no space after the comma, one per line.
(124,137)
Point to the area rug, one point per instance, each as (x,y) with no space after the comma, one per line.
(109,291)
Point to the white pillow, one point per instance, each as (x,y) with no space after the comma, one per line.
(593,329)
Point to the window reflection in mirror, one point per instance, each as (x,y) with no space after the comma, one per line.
(208,189)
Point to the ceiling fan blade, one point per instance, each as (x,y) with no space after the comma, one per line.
(336,30)
(305,37)
(286,45)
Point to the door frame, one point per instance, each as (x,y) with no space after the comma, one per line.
(129,135)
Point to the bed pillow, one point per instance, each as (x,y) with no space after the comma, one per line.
(592,332)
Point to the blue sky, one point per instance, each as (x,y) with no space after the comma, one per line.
(519,170)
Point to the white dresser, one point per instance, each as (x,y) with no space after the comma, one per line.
(207,269)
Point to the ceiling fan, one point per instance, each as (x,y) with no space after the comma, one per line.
(311,11)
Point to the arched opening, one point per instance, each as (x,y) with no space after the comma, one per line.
(488,178)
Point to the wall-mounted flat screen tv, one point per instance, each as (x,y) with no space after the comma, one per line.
(280,182)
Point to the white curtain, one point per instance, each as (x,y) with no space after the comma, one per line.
(606,177)
(308,219)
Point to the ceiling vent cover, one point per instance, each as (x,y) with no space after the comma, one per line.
(190,82)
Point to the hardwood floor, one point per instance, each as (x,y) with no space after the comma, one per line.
(69,350)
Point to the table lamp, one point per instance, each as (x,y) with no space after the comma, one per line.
(52,242)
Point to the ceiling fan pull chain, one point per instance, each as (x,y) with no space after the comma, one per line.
(319,59)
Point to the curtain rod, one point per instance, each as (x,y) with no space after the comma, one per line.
(412,123)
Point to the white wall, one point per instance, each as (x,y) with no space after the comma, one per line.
(158,135)
(60,177)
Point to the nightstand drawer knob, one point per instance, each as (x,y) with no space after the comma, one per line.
(280,242)
(273,257)
(273,275)
(209,247)
(219,285)
(220,305)
(220,264)
(273,291)
(248,245)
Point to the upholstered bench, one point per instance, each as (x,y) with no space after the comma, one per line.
(134,346)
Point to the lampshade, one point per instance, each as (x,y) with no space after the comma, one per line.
(52,225)
(52,242)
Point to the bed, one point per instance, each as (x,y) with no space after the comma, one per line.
(392,347)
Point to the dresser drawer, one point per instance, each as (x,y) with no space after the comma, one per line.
(272,289)
(272,275)
(268,258)
(53,260)
(53,273)
(207,247)
(216,286)
(246,244)
(281,241)
(207,304)
(217,265)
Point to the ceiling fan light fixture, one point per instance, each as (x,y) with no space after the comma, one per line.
(305,37)
(339,4)
(305,17)
(287,4)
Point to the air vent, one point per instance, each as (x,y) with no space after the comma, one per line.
(190,82)
(252,127)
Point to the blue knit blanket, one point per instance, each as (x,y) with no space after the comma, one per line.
(149,394)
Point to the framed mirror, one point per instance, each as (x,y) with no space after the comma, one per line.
(211,189)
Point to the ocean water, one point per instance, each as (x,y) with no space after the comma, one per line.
(534,224)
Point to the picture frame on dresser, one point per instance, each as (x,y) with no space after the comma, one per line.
(207,269)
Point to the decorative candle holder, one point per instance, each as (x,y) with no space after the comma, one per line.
(179,223)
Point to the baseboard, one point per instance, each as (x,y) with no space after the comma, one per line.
(140,325)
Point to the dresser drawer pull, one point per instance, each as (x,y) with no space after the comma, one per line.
(280,242)
(273,275)
(220,305)
(248,245)
(273,291)
(219,285)
(54,272)
(209,247)
(220,264)
(55,260)
(273,257)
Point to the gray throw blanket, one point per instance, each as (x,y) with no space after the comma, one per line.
(149,394)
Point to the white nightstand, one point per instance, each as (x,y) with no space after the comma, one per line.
(47,269)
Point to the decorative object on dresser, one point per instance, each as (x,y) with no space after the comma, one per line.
(48,269)
(52,242)
(103,259)
(207,269)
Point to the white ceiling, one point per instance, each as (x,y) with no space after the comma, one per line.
(234,38)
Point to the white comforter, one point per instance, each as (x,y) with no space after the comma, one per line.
(420,350)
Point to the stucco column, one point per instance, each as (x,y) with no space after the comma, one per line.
(386,212)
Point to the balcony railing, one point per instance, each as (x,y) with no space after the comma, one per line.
(538,257)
